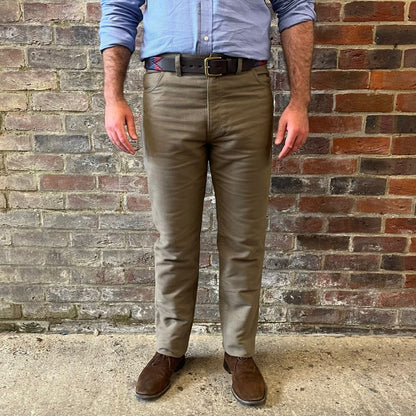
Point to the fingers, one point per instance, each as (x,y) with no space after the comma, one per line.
(281,130)
(294,141)
(119,139)
(131,127)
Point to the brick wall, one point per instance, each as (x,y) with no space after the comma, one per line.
(76,232)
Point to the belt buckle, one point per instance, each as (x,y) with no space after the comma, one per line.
(206,65)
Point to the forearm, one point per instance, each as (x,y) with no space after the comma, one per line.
(116,61)
(297,42)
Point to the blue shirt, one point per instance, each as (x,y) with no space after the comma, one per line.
(231,27)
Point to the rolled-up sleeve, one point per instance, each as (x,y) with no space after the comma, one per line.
(292,12)
(118,25)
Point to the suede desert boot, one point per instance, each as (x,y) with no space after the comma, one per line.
(248,384)
(154,380)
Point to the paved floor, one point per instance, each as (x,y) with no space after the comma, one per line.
(60,375)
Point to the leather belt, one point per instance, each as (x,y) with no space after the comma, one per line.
(210,66)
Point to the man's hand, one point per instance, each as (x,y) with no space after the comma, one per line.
(118,115)
(294,121)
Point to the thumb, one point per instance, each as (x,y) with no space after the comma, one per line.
(131,127)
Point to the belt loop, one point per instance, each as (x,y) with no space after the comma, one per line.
(239,65)
(178,68)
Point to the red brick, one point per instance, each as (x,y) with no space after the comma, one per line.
(123,184)
(348,298)
(27,80)
(60,101)
(287,165)
(67,182)
(326,204)
(321,242)
(406,102)
(402,186)
(282,203)
(354,225)
(364,11)
(335,124)
(412,11)
(400,225)
(344,35)
(412,247)
(328,12)
(325,165)
(385,205)
(339,80)
(397,299)
(11,58)
(352,262)
(34,162)
(393,80)
(410,281)
(33,122)
(350,103)
(409,58)
(370,59)
(404,145)
(376,280)
(93,12)
(361,145)
(398,262)
(379,244)
(9,11)
(93,201)
(59,11)
(138,203)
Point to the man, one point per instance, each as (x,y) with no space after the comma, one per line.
(207,100)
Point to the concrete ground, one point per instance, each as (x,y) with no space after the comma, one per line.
(59,375)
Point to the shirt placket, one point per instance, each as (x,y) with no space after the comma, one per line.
(205,33)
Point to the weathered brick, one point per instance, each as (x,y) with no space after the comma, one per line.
(62,144)
(93,163)
(397,262)
(412,247)
(390,124)
(98,239)
(370,317)
(40,238)
(29,162)
(401,225)
(64,101)
(9,11)
(402,186)
(294,185)
(18,182)
(16,219)
(329,166)
(392,80)
(324,58)
(33,122)
(335,124)
(388,166)
(122,183)
(328,12)
(136,222)
(286,166)
(93,201)
(397,299)
(140,275)
(98,276)
(56,58)
(343,35)
(352,262)
(73,257)
(370,59)
(410,281)
(13,142)
(130,293)
(320,279)
(295,224)
(147,240)
(404,145)
(93,12)
(326,204)
(11,58)
(350,103)
(358,186)
(316,315)
(348,298)
(354,225)
(395,35)
(76,35)
(10,310)
(315,146)
(376,280)
(66,182)
(321,242)
(363,11)
(412,11)
(84,123)
(339,80)
(95,310)
(361,145)
(27,80)
(292,297)
(81,81)
(34,275)
(302,261)
(406,102)
(43,310)
(385,205)
(408,317)
(282,203)
(409,58)
(69,221)
(277,241)
(49,12)
(30,200)
(138,203)
(22,293)
(379,244)
(13,101)
(72,294)
(25,34)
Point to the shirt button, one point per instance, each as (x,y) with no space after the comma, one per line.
(206,38)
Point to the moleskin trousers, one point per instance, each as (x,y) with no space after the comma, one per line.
(188,122)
